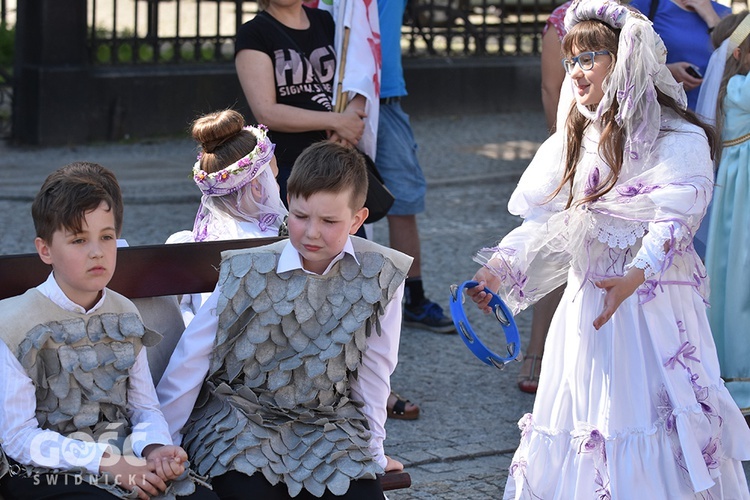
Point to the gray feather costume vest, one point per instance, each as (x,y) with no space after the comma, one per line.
(277,397)
(80,367)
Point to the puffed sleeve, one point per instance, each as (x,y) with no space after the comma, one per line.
(526,259)
(680,188)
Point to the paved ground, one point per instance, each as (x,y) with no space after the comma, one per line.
(462,445)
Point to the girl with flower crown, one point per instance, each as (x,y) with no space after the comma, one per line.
(630,403)
(724,100)
(236,172)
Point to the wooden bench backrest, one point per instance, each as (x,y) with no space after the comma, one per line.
(145,272)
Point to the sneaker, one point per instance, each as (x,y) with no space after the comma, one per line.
(428,316)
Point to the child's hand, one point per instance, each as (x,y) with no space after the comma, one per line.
(393,465)
(132,474)
(166,461)
(485,278)
(617,289)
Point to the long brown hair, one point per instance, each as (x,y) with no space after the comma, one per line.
(596,35)
(734,66)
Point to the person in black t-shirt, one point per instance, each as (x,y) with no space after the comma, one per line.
(286,62)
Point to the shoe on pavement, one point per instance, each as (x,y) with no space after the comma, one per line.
(401,408)
(428,316)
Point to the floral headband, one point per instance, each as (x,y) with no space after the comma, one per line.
(238,174)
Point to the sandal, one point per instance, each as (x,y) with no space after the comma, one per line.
(402,408)
(530,383)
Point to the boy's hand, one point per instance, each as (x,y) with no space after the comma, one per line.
(393,465)
(131,473)
(485,278)
(617,289)
(168,461)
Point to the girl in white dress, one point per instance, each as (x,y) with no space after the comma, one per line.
(236,173)
(630,403)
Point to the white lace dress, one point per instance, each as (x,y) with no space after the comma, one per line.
(635,410)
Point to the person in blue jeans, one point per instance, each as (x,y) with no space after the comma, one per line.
(396,159)
(397,162)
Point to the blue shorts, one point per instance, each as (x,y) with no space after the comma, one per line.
(397,162)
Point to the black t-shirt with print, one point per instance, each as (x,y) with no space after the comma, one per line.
(296,85)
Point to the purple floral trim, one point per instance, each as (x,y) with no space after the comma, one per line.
(593,442)
(235,176)
(266,220)
(516,278)
(525,424)
(625,96)
(665,410)
(627,192)
(709,454)
(602,492)
(701,395)
(592,183)
(518,466)
(686,350)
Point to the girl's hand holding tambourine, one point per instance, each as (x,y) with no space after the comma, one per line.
(485,278)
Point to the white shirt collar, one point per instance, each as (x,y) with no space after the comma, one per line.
(289,260)
(52,291)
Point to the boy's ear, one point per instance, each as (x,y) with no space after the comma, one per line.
(42,248)
(736,54)
(359,218)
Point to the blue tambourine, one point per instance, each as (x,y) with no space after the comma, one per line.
(503,315)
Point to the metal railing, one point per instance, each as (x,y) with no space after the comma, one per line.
(7,32)
(165,31)
(195,31)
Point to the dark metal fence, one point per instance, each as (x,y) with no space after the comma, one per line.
(165,31)
(7,32)
(109,62)
(194,31)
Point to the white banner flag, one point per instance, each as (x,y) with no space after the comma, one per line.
(363,62)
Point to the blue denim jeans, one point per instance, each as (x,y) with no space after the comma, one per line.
(397,161)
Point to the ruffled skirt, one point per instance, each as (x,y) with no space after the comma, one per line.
(635,410)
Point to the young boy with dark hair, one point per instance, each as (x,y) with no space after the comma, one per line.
(280,382)
(79,417)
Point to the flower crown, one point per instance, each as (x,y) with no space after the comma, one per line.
(238,174)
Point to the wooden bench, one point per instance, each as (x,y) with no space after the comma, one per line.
(152,276)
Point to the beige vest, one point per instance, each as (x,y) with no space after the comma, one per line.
(79,363)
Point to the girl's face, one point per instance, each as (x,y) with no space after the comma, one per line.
(588,82)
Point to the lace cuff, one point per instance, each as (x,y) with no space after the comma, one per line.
(659,245)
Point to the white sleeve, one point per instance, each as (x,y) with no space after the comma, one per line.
(181,383)
(679,203)
(149,426)
(22,438)
(372,385)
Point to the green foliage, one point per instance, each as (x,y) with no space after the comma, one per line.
(139,52)
(7,43)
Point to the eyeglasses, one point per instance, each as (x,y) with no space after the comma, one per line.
(585,60)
